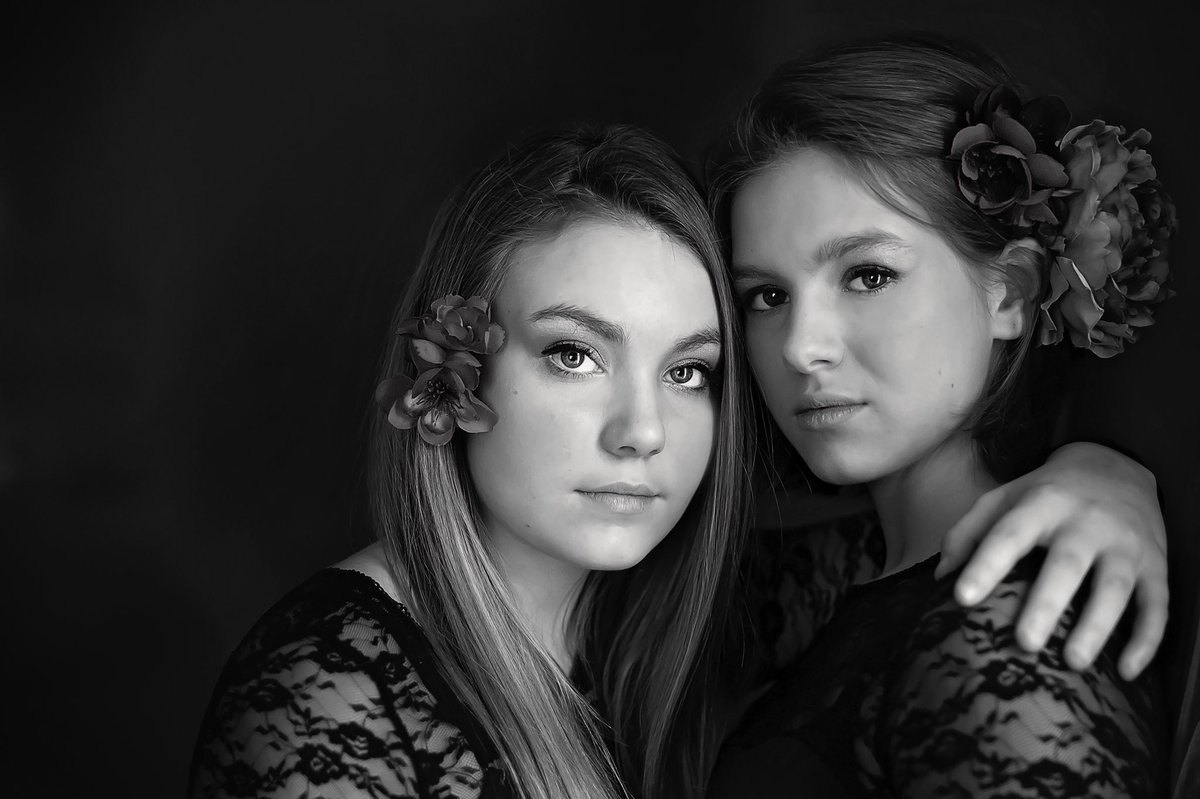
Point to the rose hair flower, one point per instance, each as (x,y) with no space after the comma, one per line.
(1008,166)
(458,324)
(1109,259)
(442,347)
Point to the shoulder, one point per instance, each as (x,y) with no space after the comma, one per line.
(334,684)
(962,694)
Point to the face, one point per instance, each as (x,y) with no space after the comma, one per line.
(869,336)
(603,392)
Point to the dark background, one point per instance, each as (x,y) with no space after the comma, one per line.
(206,212)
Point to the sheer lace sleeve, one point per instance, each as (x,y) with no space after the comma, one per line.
(324,701)
(965,712)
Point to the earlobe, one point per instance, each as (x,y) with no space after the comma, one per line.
(1008,319)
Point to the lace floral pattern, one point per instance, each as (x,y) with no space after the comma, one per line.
(333,694)
(903,693)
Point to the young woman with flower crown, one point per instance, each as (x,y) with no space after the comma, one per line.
(905,233)
(558,479)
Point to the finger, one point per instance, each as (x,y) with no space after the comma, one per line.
(1153,597)
(1061,574)
(961,539)
(1115,578)
(1009,540)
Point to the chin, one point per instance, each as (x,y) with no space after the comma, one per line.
(616,553)
(841,468)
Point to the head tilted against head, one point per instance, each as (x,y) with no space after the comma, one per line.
(963,226)
(603,435)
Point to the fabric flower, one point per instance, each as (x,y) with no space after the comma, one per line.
(457,324)
(437,401)
(443,347)
(1109,260)
(1007,157)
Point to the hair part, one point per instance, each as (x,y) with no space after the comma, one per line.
(646,634)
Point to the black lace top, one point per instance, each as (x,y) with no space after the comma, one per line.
(903,693)
(333,693)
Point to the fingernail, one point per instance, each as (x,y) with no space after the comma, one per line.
(1030,640)
(1078,657)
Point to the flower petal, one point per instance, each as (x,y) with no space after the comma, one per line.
(1046,118)
(1047,171)
(426,354)
(392,389)
(1013,132)
(436,427)
(398,419)
(969,137)
(480,418)
(465,367)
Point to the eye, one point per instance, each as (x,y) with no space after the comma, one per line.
(572,357)
(690,375)
(764,298)
(869,279)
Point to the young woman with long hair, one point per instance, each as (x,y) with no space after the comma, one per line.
(563,567)
(905,231)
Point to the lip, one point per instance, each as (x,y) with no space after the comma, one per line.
(822,411)
(621,497)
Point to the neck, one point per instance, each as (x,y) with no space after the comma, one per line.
(918,504)
(544,589)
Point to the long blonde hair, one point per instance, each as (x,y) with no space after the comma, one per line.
(647,636)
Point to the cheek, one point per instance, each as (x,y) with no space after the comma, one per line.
(692,436)
(936,355)
(763,348)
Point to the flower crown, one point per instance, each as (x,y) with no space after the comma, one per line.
(1090,196)
(443,345)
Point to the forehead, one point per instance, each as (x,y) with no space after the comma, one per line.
(805,199)
(619,271)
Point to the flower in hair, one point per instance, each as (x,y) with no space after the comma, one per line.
(1008,166)
(443,346)
(1090,196)
(1109,258)
(457,324)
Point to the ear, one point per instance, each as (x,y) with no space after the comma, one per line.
(1015,283)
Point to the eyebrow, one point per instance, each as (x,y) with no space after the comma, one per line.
(614,333)
(867,240)
(701,338)
(831,250)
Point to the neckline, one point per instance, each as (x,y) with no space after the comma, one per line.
(917,569)
(379,592)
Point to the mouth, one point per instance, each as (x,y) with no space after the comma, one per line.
(621,497)
(823,412)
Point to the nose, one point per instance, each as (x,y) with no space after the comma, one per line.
(634,424)
(812,341)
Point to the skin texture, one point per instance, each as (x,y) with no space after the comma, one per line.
(584,406)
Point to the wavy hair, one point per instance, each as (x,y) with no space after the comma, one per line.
(648,635)
(888,109)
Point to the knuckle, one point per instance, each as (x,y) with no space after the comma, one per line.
(1071,559)
(1117,581)
(1051,494)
